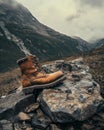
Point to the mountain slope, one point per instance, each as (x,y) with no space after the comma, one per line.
(96,44)
(99,43)
(20,32)
(95,60)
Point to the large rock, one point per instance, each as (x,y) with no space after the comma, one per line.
(14,103)
(77,98)
(6,125)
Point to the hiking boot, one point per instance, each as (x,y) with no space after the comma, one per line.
(33,77)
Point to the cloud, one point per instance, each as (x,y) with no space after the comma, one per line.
(93,3)
(83,18)
(11,3)
(78,14)
(73,17)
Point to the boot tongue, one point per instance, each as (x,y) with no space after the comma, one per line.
(29,57)
(34,60)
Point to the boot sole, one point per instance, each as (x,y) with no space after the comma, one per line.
(30,89)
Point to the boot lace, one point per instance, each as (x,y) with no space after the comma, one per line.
(35,61)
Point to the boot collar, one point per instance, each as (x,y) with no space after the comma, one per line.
(23,59)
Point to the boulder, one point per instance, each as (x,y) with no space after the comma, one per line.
(76,99)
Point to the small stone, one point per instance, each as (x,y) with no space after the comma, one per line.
(53,127)
(23,116)
(19,89)
(63,66)
(101,114)
(87,127)
(29,128)
(17,126)
(68,91)
(90,90)
(6,125)
(78,61)
(40,120)
(22,126)
(71,128)
(4,121)
(32,107)
(76,77)
(4,96)
(95,84)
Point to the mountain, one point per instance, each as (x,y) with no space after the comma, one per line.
(96,44)
(21,32)
(99,43)
(99,50)
(82,44)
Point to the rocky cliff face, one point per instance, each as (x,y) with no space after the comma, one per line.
(21,32)
(74,104)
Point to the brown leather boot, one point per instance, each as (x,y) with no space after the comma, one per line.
(33,77)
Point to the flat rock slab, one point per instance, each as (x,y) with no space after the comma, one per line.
(78,98)
(14,103)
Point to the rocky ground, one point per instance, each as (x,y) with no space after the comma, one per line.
(9,81)
(74,104)
(95,60)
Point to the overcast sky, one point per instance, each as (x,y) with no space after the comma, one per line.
(82,18)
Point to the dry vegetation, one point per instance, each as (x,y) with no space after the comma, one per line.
(95,60)
(9,81)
